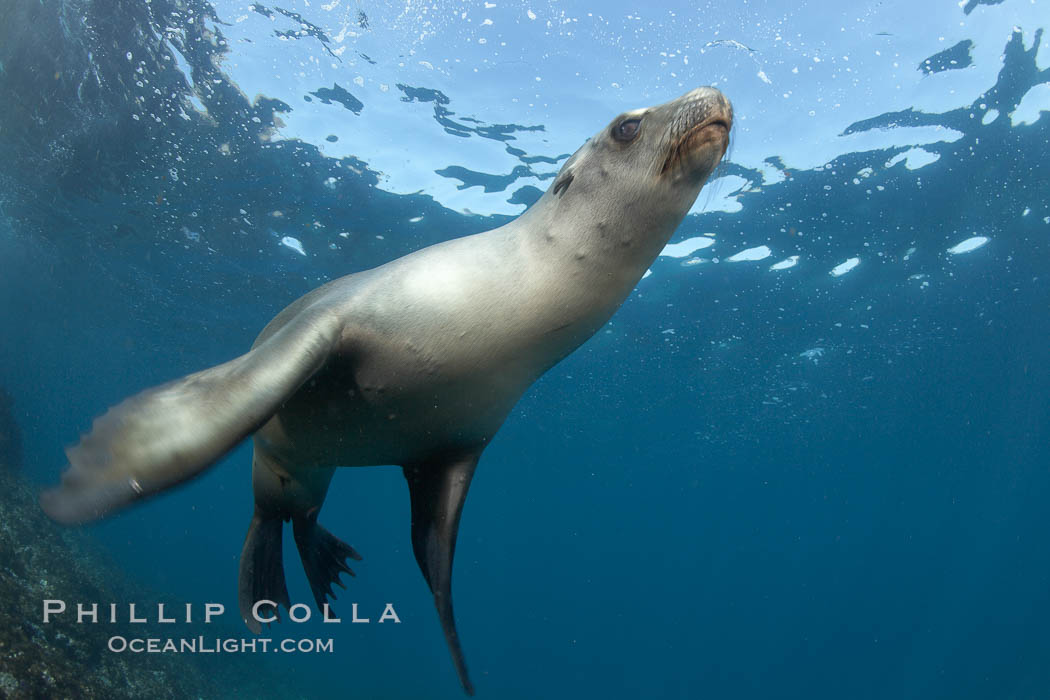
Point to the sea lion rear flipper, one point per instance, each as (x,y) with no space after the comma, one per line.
(323,554)
(262,571)
(438,490)
(171,433)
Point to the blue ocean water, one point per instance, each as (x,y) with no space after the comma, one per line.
(776,472)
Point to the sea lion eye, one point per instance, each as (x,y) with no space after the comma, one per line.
(626,130)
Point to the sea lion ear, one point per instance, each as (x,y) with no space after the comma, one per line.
(563,182)
(568,171)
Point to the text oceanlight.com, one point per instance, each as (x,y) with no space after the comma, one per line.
(215,645)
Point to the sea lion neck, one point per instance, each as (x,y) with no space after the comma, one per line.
(609,239)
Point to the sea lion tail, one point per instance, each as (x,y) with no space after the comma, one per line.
(323,555)
(173,432)
(437,491)
(262,572)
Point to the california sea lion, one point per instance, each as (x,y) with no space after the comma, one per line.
(415,363)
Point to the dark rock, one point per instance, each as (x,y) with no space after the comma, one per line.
(62,659)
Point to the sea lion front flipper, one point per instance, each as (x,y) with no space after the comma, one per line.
(438,490)
(171,433)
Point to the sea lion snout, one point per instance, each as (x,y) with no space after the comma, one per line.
(702,106)
(699,133)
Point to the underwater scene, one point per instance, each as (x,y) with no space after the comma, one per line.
(740,310)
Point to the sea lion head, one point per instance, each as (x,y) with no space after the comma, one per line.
(648,165)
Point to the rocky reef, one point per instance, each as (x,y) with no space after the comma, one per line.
(62,659)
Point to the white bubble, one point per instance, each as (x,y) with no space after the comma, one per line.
(785,264)
(758,253)
(843,268)
(293,243)
(972,243)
